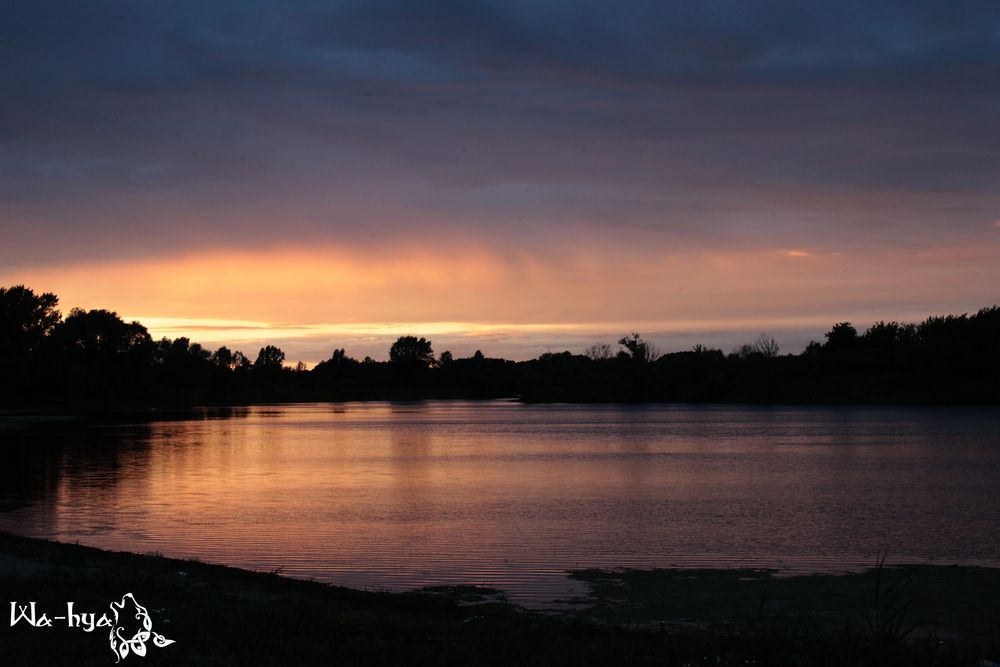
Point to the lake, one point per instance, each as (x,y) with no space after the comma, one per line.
(395,496)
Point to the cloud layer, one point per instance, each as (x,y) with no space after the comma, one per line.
(537,158)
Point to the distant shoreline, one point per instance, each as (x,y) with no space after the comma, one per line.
(93,357)
(70,411)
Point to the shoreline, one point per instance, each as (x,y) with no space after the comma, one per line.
(75,411)
(224,615)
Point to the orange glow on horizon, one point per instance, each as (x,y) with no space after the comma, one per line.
(228,296)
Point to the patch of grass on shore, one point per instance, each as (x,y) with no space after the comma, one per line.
(953,601)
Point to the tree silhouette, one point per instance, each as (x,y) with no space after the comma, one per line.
(99,355)
(222,358)
(269,358)
(412,352)
(599,352)
(765,345)
(25,318)
(889,335)
(101,332)
(240,361)
(411,358)
(639,350)
(841,338)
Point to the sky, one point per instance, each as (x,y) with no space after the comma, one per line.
(515,177)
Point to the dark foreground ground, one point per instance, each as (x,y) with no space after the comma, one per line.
(917,615)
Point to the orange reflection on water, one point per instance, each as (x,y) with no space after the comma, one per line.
(401,495)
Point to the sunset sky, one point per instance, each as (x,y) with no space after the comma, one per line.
(514,177)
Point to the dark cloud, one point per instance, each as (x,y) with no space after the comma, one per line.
(168,125)
(684,43)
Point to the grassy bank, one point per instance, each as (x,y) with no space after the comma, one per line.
(225,616)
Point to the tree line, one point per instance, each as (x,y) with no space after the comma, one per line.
(93,356)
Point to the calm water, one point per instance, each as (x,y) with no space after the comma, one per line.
(385,495)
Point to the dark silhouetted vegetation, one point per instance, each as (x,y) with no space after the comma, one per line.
(94,356)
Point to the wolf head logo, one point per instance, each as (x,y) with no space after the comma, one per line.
(121,642)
